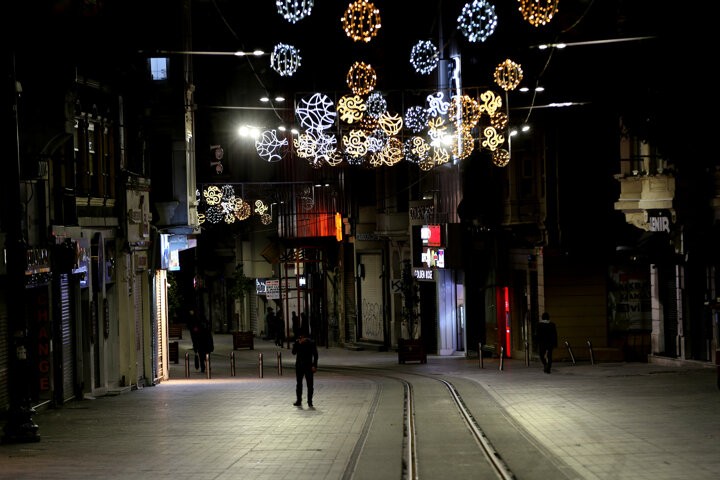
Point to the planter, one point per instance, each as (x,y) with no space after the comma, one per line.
(411,351)
(243,340)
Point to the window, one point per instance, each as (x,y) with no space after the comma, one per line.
(158,68)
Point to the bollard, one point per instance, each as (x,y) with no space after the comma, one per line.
(260,365)
(187,365)
(527,354)
(208,366)
(480,357)
(572,357)
(592,356)
(502,359)
(279,363)
(232,364)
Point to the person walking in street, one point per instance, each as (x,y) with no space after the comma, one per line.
(306,362)
(202,338)
(295,324)
(269,324)
(547,341)
(279,329)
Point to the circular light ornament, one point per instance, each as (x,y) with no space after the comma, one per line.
(464,111)
(478,20)
(508,75)
(490,102)
(416,119)
(492,139)
(317,112)
(501,157)
(305,145)
(355,143)
(361,78)
(391,123)
(351,108)
(269,146)
(393,152)
(416,149)
(361,21)
(436,106)
(499,121)
(294,10)
(538,12)
(424,57)
(285,59)
(376,105)
(462,145)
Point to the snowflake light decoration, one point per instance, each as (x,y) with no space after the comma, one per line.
(391,123)
(317,112)
(464,112)
(361,78)
(424,57)
(538,12)
(508,75)
(477,20)
(376,105)
(269,146)
(435,105)
(294,10)
(416,119)
(285,59)
(500,157)
(361,21)
(489,102)
(351,108)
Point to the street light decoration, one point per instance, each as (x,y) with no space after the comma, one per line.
(416,119)
(436,106)
(508,75)
(477,20)
(538,12)
(489,102)
(440,155)
(294,10)
(361,21)
(351,108)
(355,143)
(376,105)
(361,78)
(305,145)
(317,112)
(416,149)
(269,146)
(424,57)
(285,59)
(462,145)
(391,123)
(376,140)
(492,139)
(499,121)
(393,152)
(500,157)
(464,112)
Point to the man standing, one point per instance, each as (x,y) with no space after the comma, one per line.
(547,340)
(306,361)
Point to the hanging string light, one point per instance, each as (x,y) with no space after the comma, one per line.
(424,57)
(508,75)
(285,59)
(464,112)
(477,20)
(538,12)
(416,119)
(500,157)
(376,105)
(294,10)
(361,21)
(361,78)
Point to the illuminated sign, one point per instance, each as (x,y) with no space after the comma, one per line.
(424,274)
(430,235)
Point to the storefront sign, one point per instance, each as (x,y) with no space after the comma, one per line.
(424,274)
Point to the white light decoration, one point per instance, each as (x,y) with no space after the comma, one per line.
(260,207)
(416,149)
(325,147)
(269,146)
(285,59)
(361,21)
(355,143)
(361,78)
(317,112)
(294,10)
(351,108)
(508,75)
(416,119)
(376,140)
(376,105)
(477,20)
(424,57)
(435,105)
(538,12)
(437,129)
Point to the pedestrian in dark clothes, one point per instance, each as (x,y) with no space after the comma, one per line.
(202,337)
(306,361)
(547,341)
(295,323)
(279,328)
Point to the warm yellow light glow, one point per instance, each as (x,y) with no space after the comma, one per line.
(508,75)
(538,12)
(361,21)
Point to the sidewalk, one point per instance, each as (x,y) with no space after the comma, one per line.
(619,421)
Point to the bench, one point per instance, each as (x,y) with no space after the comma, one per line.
(411,351)
(243,340)
(175,331)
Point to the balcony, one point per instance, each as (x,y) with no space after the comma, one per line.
(639,194)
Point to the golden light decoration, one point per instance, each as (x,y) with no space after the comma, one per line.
(462,145)
(464,112)
(393,151)
(213,195)
(500,157)
(416,149)
(266,219)
(375,160)
(305,146)
(391,123)
(538,12)
(427,164)
(499,121)
(492,139)
(335,159)
(242,210)
(440,155)
(361,21)
(361,78)
(355,143)
(489,102)
(260,207)
(508,75)
(351,108)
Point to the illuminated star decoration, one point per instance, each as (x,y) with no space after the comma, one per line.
(361,21)
(285,59)
(538,12)
(361,78)
(294,10)
(477,20)
(424,57)
(317,112)
(376,105)
(268,146)
(508,75)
